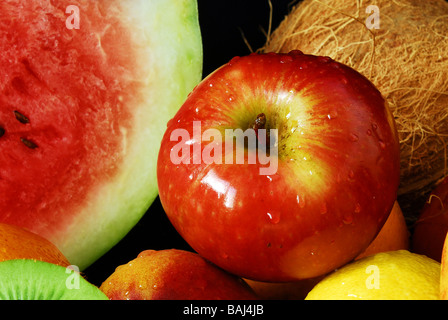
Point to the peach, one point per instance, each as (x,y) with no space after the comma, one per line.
(173,274)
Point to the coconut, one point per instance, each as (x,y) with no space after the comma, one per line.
(402,47)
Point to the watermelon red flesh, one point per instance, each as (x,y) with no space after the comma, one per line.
(75,101)
(81,120)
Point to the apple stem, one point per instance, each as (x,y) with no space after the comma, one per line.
(259,123)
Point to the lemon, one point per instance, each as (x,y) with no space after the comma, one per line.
(393,275)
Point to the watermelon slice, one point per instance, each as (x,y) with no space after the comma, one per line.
(86,90)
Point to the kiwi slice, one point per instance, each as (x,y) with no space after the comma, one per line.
(27,279)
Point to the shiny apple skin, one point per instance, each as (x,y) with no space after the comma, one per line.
(337,177)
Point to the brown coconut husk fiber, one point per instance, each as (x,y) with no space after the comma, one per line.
(407,60)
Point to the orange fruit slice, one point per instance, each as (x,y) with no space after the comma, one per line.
(19,243)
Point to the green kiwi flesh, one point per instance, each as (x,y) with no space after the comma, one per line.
(27,279)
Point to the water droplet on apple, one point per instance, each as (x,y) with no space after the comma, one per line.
(231,98)
(369,132)
(324,59)
(286,59)
(323,208)
(234,59)
(354,137)
(382,144)
(351,175)
(224,255)
(273,217)
(301,201)
(332,115)
(335,65)
(374,126)
(348,218)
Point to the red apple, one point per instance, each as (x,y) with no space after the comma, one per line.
(308,194)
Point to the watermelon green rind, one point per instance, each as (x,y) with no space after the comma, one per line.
(163,41)
(175,56)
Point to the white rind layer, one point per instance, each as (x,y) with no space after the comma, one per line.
(167,40)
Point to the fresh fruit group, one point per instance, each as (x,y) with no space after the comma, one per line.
(432,225)
(393,275)
(83,111)
(26,279)
(173,275)
(18,243)
(305,191)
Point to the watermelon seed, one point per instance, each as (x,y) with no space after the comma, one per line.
(2,132)
(30,144)
(22,118)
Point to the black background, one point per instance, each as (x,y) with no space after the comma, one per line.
(224,26)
